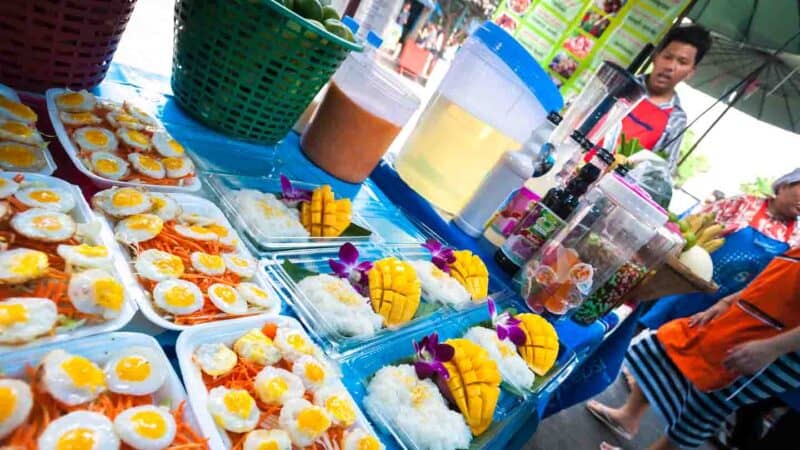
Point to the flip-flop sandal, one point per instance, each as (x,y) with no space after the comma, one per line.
(608,446)
(608,421)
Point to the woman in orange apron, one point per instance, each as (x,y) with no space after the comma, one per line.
(696,371)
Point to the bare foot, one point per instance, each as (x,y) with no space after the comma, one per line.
(622,425)
(606,446)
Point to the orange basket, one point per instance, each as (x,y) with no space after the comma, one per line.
(59,43)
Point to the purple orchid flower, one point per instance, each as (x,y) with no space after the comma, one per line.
(441,256)
(348,267)
(506,326)
(291,195)
(431,356)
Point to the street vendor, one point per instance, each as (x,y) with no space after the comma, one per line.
(658,121)
(761,228)
(696,371)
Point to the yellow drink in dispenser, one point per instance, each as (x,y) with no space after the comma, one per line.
(491,99)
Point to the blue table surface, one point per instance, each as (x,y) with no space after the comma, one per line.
(403,210)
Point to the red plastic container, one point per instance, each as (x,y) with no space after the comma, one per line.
(59,43)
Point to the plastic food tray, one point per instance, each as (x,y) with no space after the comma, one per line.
(226,332)
(50,164)
(99,349)
(83,215)
(316,260)
(359,368)
(99,181)
(193,204)
(223,187)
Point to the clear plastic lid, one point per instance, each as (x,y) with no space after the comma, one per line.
(632,199)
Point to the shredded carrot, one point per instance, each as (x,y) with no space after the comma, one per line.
(17,204)
(270,330)
(19,178)
(47,409)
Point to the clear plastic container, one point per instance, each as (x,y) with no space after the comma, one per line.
(513,407)
(607,229)
(493,96)
(101,234)
(313,262)
(227,332)
(193,184)
(363,111)
(50,164)
(192,204)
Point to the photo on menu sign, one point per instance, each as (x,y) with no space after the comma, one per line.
(579,45)
(595,22)
(519,7)
(610,6)
(506,22)
(564,65)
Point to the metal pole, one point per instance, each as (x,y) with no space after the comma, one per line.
(351,8)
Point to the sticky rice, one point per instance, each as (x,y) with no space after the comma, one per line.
(417,408)
(347,311)
(438,286)
(265,214)
(512,367)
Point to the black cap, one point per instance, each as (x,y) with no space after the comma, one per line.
(580,138)
(555,118)
(605,156)
(621,170)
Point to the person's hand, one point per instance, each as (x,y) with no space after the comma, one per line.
(704,317)
(750,357)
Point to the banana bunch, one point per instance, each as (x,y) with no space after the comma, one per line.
(702,230)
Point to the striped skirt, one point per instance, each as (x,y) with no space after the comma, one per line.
(693,416)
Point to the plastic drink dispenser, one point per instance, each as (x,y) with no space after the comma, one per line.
(610,225)
(491,99)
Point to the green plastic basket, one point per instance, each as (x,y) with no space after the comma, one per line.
(249,68)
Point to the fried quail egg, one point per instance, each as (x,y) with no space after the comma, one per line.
(267,440)
(16,156)
(135,371)
(338,404)
(95,139)
(16,401)
(196,232)
(257,348)
(243,266)
(358,439)
(313,372)
(138,228)
(140,115)
(233,409)
(8,187)
(71,101)
(215,359)
(227,299)
(16,111)
(276,386)
(44,225)
(96,291)
(178,167)
(85,430)
(166,145)
(158,265)
(164,206)
(85,255)
(71,379)
(178,296)
(79,430)
(21,264)
(77,119)
(120,119)
(108,165)
(293,344)
(146,427)
(52,198)
(147,165)
(254,295)
(121,202)
(24,319)
(136,139)
(207,264)
(304,422)
(19,132)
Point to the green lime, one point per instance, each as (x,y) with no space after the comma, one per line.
(339,29)
(683,226)
(673,217)
(287,3)
(310,34)
(691,240)
(310,9)
(329,12)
